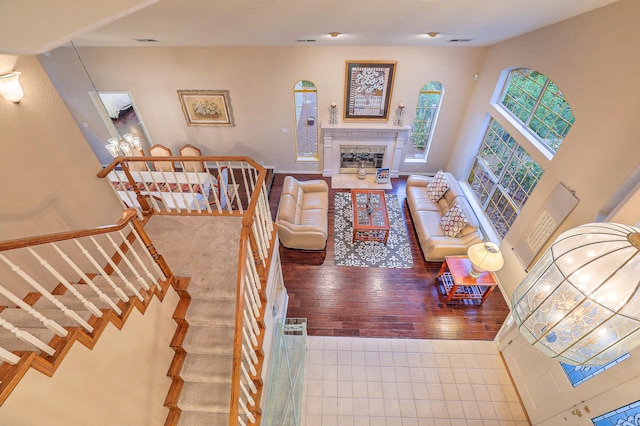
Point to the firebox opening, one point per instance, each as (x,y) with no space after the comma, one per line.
(354,157)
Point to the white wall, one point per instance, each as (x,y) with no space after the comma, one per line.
(260,81)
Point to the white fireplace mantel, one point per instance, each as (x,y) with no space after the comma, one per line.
(391,137)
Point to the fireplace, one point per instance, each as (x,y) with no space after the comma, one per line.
(347,145)
(353,157)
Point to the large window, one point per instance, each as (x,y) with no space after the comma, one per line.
(429,101)
(539,105)
(629,415)
(580,374)
(306,114)
(503,177)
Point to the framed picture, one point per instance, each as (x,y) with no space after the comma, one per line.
(206,107)
(368,88)
(383,176)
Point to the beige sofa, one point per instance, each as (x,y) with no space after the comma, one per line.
(426,215)
(303,214)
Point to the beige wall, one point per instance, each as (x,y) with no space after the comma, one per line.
(592,60)
(260,81)
(47,169)
(122,381)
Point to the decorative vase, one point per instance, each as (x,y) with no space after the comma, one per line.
(362,172)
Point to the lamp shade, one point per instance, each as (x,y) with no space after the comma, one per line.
(10,87)
(485,256)
(580,302)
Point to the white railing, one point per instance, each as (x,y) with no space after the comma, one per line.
(221,185)
(63,280)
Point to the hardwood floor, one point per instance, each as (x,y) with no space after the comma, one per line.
(378,302)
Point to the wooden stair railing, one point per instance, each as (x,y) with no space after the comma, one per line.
(68,275)
(241,192)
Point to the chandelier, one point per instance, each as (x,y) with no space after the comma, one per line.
(580,303)
(129,146)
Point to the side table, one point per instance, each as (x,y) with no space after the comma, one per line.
(458,285)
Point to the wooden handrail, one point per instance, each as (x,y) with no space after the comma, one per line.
(127,216)
(149,158)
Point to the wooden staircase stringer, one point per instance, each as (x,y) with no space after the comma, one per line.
(10,375)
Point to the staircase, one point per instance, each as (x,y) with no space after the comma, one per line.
(81,281)
(202,366)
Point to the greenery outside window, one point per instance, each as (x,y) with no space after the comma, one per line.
(503,177)
(306,120)
(539,105)
(429,101)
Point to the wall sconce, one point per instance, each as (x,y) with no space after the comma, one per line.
(399,118)
(580,304)
(10,87)
(484,257)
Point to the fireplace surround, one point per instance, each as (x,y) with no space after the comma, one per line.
(380,145)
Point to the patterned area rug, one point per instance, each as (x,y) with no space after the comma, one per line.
(397,252)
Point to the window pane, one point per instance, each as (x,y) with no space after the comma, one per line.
(503,177)
(306,113)
(627,415)
(539,104)
(580,374)
(429,100)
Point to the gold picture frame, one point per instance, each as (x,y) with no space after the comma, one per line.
(206,107)
(368,90)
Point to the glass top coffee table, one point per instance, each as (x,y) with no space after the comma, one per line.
(370,217)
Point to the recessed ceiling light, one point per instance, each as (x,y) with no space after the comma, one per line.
(334,34)
(432,34)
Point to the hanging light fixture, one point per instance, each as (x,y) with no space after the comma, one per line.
(580,303)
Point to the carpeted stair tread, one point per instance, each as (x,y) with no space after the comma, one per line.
(22,319)
(9,341)
(205,397)
(199,418)
(203,312)
(211,249)
(72,302)
(209,340)
(207,368)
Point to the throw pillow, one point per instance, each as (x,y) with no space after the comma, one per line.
(437,187)
(453,222)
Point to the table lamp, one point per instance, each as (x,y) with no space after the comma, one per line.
(484,256)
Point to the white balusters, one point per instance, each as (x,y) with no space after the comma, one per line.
(117,270)
(26,337)
(121,294)
(135,254)
(126,260)
(6,356)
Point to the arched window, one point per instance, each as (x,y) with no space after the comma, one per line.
(536,101)
(429,101)
(306,116)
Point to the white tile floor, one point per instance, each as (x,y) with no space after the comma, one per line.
(393,382)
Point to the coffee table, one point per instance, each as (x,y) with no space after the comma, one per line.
(370,217)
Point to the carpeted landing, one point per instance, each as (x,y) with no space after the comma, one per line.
(395,254)
(205,249)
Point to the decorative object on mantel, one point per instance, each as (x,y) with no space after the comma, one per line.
(395,254)
(580,303)
(368,89)
(333,114)
(362,172)
(206,107)
(399,118)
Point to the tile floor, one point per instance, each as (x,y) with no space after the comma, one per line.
(398,382)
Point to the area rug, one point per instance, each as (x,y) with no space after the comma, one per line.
(351,181)
(397,252)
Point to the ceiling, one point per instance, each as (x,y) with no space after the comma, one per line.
(276,22)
